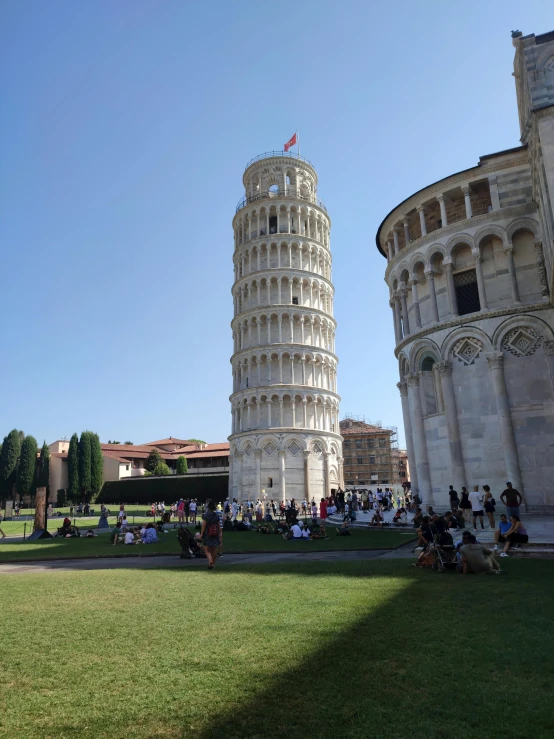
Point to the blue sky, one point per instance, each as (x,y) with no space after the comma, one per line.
(124,133)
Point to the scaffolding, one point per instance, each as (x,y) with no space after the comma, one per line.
(367,465)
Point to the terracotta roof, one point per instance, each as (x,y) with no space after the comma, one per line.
(358,427)
(208,454)
(171,440)
(113,455)
(125,447)
(194,451)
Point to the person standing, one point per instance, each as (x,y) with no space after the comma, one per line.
(192,510)
(453,499)
(1,531)
(465,505)
(181,511)
(323,509)
(476,501)
(512,499)
(211,533)
(490,504)
(234,509)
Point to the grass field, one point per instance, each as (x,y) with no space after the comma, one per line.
(234,541)
(323,650)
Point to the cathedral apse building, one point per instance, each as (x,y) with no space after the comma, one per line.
(470,268)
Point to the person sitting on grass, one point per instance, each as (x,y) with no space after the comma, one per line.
(129,537)
(150,536)
(477,559)
(377,519)
(516,534)
(114,533)
(90,534)
(281,528)
(295,531)
(265,529)
(418,517)
(344,530)
(424,534)
(319,532)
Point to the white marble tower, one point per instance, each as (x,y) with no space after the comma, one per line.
(285,440)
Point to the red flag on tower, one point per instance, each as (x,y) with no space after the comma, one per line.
(290,142)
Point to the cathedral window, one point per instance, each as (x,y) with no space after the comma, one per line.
(467,292)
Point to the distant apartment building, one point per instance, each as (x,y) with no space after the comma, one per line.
(368,453)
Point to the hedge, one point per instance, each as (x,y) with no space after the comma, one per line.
(167,488)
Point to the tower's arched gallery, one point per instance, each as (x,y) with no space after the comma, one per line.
(470,270)
(285,439)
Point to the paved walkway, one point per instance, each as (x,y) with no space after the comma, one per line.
(147,563)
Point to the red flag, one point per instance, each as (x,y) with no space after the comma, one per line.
(290,142)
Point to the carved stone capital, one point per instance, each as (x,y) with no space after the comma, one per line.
(444,368)
(412,378)
(448,264)
(430,274)
(440,198)
(258,453)
(307,454)
(403,387)
(465,190)
(282,453)
(508,249)
(495,360)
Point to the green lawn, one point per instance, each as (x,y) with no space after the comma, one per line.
(323,650)
(234,541)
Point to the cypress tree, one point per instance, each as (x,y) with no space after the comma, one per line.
(96,465)
(154,459)
(27,464)
(85,462)
(11,449)
(73,468)
(182,466)
(43,469)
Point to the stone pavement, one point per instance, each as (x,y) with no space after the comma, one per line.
(147,563)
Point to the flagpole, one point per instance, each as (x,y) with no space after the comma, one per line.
(298,142)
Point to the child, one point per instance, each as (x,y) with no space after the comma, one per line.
(314,513)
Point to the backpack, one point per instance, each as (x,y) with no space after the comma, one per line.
(213,530)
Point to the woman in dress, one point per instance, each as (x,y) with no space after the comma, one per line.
(465,505)
(323,509)
(103,520)
(211,533)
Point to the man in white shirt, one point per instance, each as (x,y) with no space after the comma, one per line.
(129,538)
(476,499)
(296,531)
(234,509)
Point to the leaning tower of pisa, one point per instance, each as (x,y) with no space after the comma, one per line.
(285,440)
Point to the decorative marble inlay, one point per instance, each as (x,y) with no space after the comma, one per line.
(270,448)
(317,449)
(522,342)
(294,448)
(467,350)
(248,450)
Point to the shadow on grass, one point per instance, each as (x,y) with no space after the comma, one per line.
(439,651)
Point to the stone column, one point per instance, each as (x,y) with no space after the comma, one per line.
(392,304)
(390,250)
(513,472)
(240,458)
(403,387)
(480,281)
(281,412)
(305,413)
(341,472)
(397,314)
(454,439)
(467,199)
(549,351)
(404,304)
(451,289)
(493,189)
(509,252)
(268,413)
(421,212)
(542,271)
(258,457)
(282,491)
(415,301)
(430,277)
(326,475)
(420,442)
(442,205)
(406,231)
(396,244)
(307,474)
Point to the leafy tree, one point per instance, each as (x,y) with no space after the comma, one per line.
(161,469)
(96,464)
(154,458)
(43,468)
(73,468)
(85,462)
(11,449)
(114,442)
(182,466)
(197,441)
(27,464)
(128,442)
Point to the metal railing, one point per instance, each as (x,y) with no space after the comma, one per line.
(269,195)
(288,154)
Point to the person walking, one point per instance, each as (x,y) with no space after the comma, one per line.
(465,505)
(181,511)
(454,501)
(323,510)
(476,501)
(211,533)
(1,530)
(490,504)
(512,499)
